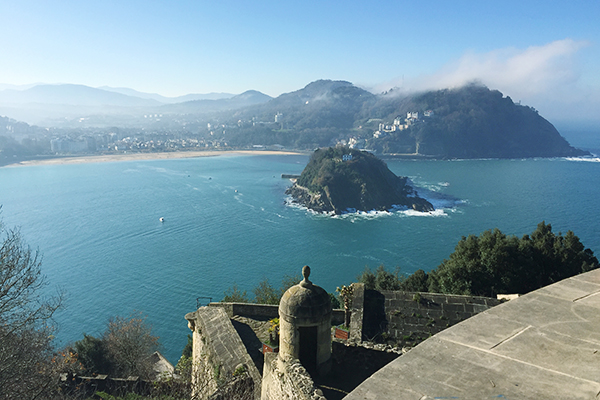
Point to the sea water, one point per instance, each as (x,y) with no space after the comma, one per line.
(228,221)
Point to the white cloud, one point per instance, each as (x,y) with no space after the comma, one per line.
(530,71)
(546,77)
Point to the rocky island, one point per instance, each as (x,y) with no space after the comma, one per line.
(340,179)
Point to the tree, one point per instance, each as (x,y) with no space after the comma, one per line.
(417,282)
(123,350)
(264,293)
(496,263)
(129,343)
(93,355)
(26,347)
(381,279)
(335,302)
(385,280)
(367,278)
(288,281)
(235,295)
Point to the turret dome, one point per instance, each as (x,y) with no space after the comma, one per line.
(305,302)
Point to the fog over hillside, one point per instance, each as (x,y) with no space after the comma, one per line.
(168,100)
(468,122)
(56,105)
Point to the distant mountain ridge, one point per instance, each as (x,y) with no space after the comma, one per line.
(468,122)
(70,94)
(321,104)
(165,99)
(88,96)
(248,98)
(46,104)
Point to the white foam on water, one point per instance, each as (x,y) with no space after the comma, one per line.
(583,159)
(443,204)
(439,212)
(353,215)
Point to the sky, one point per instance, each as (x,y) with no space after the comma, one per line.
(543,53)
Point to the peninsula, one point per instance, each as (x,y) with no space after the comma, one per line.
(340,179)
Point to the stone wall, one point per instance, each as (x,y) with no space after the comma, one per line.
(218,353)
(413,317)
(264,311)
(357,315)
(407,318)
(287,380)
(259,311)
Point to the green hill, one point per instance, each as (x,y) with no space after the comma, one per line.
(469,122)
(341,179)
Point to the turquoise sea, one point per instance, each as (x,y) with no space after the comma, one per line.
(227,221)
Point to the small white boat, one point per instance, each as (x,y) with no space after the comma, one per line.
(161,219)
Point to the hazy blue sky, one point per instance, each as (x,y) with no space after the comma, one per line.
(545,53)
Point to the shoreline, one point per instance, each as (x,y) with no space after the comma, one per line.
(88,159)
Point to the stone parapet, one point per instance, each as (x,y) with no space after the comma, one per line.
(413,316)
(264,311)
(218,352)
(356,316)
(543,345)
(408,318)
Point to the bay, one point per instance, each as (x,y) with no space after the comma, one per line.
(227,222)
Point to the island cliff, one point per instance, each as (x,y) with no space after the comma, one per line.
(341,179)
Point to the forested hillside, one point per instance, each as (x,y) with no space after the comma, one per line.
(469,122)
(472,122)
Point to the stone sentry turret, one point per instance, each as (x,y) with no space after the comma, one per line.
(305,325)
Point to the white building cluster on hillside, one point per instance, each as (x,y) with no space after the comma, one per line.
(400,124)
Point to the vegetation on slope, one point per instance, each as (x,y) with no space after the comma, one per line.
(26,351)
(340,179)
(495,263)
(265,293)
(468,122)
(474,122)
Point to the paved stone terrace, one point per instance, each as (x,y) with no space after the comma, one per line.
(544,345)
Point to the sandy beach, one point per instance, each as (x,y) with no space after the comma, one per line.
(143,156)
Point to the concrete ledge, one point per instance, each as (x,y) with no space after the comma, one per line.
(544,345)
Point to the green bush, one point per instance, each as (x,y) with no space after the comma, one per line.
(494,263)
(381,279)
(235,295)
(123,349)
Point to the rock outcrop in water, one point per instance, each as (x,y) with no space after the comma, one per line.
(340,179)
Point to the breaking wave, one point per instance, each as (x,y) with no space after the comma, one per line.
(583,159)
(444,205)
